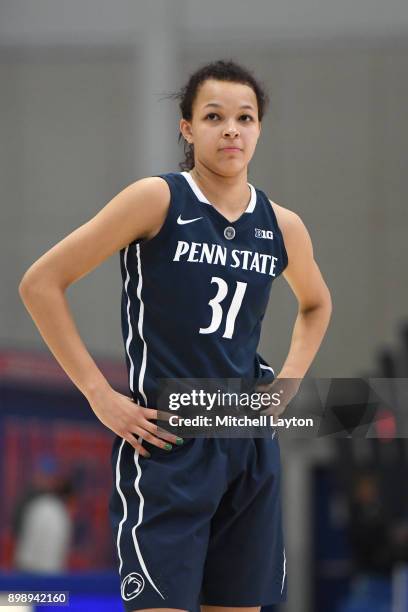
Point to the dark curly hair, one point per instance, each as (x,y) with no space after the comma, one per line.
(220,70)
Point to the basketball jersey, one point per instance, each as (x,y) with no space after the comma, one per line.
(194,296)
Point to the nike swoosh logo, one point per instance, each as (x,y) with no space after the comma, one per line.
(181,221)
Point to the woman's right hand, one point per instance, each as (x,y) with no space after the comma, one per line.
(128,419)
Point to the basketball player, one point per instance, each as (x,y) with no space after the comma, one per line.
(199,522)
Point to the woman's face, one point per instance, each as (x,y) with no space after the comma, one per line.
(224,128)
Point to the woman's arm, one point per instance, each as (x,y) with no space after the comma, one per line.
(136,212)
(313,296)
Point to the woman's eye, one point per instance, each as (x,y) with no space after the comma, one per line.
(212,116)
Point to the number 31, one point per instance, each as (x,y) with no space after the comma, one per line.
(217,311)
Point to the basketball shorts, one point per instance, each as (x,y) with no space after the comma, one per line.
(199,524)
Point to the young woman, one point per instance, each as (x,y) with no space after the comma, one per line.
(198,522)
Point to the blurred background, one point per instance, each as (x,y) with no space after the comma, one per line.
(82,115)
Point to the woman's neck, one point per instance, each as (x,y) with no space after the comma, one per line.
(230,194)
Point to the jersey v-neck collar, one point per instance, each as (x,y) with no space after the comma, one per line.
(201,198)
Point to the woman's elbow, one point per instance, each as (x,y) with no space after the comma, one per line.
(27,286)
(322,302)
(33,283)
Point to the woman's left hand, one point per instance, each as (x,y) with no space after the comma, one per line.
(281,392)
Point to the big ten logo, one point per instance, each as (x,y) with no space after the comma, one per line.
(262,233)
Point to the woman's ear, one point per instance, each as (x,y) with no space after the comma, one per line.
(185,129)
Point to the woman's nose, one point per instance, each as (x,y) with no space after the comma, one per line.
(231,130)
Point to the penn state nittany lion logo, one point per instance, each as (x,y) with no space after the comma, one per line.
(229,232)
(132,586)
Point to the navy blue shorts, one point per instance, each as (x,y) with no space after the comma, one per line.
(200,524)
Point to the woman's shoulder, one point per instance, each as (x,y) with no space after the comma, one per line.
(284,215)
(291,225)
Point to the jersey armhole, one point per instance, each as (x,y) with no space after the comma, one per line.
(167,223)
(285,258)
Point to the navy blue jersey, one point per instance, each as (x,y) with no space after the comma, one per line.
(194,296)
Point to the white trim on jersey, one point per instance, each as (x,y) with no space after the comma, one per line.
(284,570)
(202,198)
(122,497)
(266,367)
(252,201)
(140,324)
(130,333)
(195,187)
